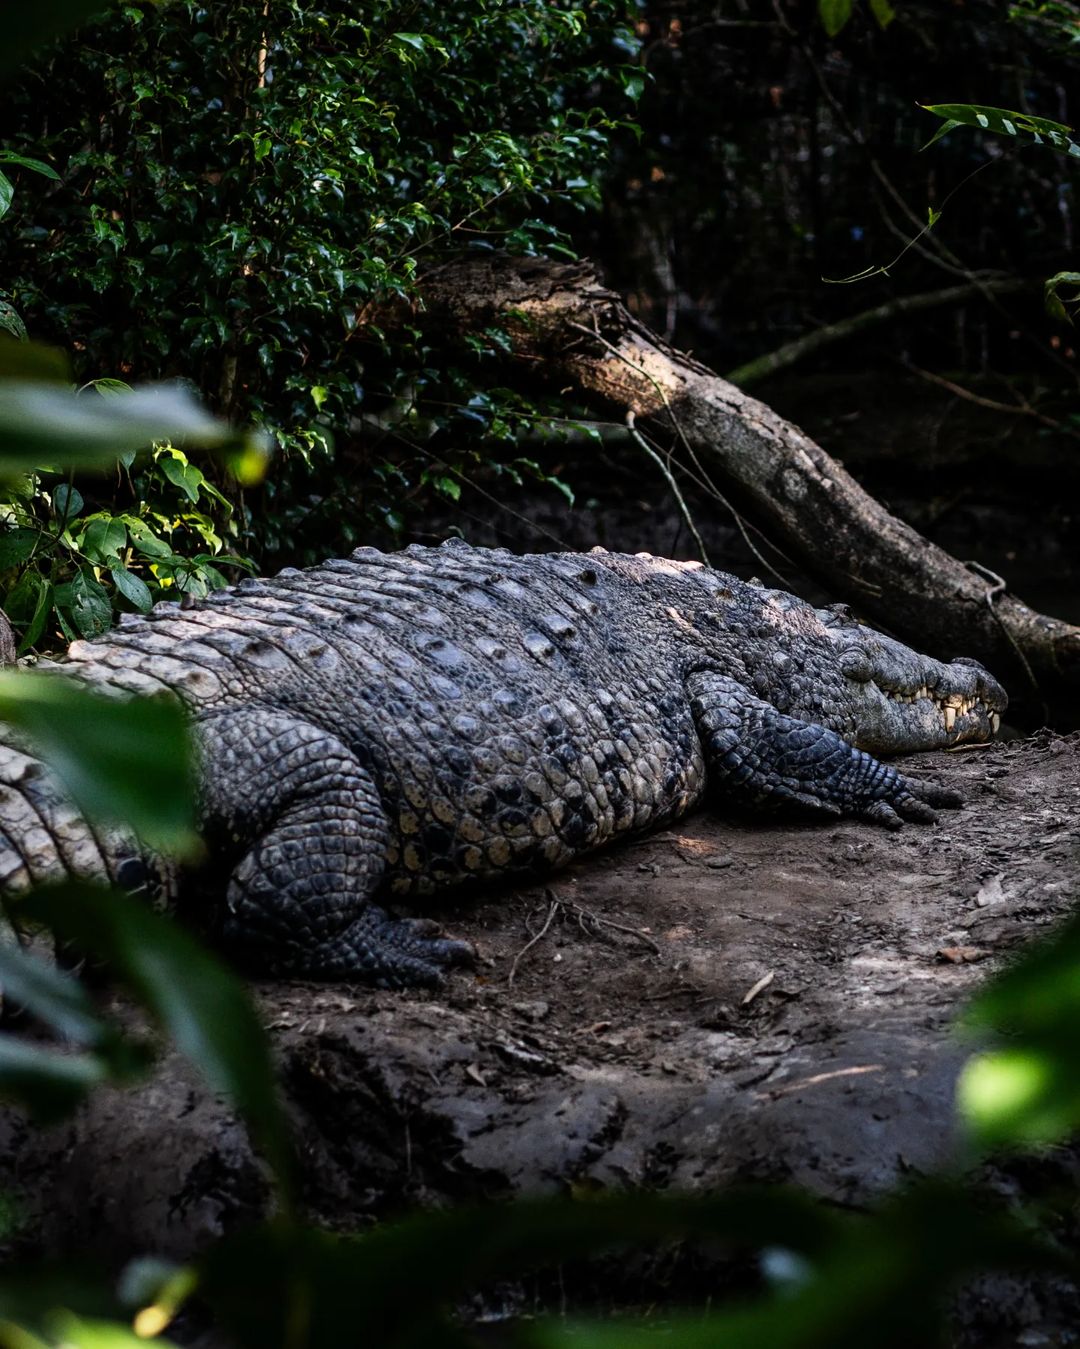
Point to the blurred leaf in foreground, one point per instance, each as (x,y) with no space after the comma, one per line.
(885,1281)
(1026,1089)
(123,760)
(203,1007)
(44,424)
(261,1282)
(51,1082)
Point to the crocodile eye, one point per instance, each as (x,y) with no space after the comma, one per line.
(855,664)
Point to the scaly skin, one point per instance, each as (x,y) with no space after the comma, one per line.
(398,724)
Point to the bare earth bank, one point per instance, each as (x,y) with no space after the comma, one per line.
(722,1000)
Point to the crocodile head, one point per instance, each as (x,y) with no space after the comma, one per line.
(902,701)
(821,665)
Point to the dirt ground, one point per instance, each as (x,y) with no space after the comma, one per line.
(726,999)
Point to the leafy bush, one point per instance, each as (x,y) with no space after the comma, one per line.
(157,529)
(245,189)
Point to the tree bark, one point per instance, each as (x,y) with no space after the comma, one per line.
(570,330)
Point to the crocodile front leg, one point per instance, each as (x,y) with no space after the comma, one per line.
(300,899)
(759,757)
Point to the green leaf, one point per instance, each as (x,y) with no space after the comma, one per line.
(205,1009)
(133,588)
(43,424)
(1002,122)
(110,388)
(7,192)
(36,165)
(31,1293)
(883,12)
(633,80)
(67,501)
(182,474)
(47,1082)
(91,610)
(11,321)
(104,537)
(121,759)
(16,545)
(75,1333)
(1054,301)
(144,539)
(33,360)
(834,14)
(52,995)
(42,604)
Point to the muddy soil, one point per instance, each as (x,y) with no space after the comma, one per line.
(724,1000)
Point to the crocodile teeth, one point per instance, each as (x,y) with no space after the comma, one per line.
(995,722)
(950,718)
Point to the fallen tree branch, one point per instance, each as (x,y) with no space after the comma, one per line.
(808,503)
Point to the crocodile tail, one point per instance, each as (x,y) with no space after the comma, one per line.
(44,837)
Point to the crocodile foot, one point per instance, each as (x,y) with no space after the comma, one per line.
(383,951)
(915,799)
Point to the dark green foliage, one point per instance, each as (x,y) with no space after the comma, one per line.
(245,192)
(65,565)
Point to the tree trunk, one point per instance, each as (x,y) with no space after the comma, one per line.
(571,330)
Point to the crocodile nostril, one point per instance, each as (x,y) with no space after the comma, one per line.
(132,874)
(855,664)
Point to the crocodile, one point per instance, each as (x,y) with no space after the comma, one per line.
(394,724)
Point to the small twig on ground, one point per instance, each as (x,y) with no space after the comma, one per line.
(587,916)
(760,987)
(553,909)
(588,921)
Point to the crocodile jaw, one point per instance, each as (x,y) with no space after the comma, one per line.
(902,701)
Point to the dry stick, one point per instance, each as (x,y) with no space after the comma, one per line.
(709,489)
(552,911)
(998,587)
(661,393)
(583,916)
(587,916)
(1023,409)
(791,352)
(669,477)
